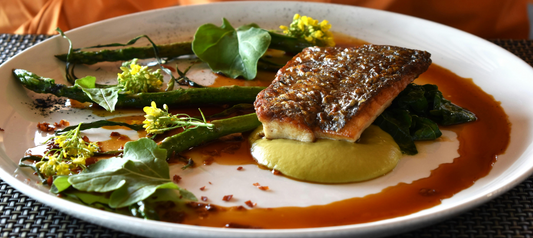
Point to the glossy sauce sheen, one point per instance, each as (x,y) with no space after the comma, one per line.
(480,144)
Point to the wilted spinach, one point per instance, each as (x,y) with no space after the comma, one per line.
(414,115)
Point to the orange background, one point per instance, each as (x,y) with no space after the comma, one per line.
(485,18)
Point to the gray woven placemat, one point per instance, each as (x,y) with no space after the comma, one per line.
(509,215)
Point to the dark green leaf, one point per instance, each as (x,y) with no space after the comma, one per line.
(131,179)
(412,99)
(397,123)
(232,52)
(424,129)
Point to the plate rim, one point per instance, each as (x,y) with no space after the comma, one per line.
(345,229)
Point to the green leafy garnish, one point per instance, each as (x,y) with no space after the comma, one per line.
(414,115)
(233,52)
(105,97)
(132,178)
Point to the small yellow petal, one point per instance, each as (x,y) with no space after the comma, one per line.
(296,16)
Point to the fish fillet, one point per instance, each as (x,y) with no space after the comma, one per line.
(335,92)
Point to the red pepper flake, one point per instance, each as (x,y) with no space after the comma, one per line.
(204,198)
(115,134)
(239,168)
(250,203)
(1,129)
(45,126)
(210,183)
(62,123)
(202,188)
(176,178)
(227,198)
(264,188)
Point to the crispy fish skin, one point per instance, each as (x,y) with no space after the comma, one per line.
(336,92)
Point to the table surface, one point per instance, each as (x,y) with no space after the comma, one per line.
(509,215)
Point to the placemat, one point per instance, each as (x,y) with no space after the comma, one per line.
(508,216)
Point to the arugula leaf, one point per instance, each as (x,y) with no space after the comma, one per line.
(60,184)
(142,170)
(105,97)
(232,52)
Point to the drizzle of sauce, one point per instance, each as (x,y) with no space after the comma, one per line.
(480,144)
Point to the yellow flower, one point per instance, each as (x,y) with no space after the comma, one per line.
(136,78)
(72,153)
(158,120)
(311,30)
(62,169)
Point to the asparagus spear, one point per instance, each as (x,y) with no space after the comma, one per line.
(279,42)
(92,57)
(180,97)
(195,136)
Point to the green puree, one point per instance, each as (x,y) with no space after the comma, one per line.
(329,161)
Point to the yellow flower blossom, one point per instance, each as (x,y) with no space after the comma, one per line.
(62,168)
(72,153)
(311,30)
(139,79)
(158,120)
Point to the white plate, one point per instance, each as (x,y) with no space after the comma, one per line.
(495,70)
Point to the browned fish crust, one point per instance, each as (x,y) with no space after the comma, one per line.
(336,92)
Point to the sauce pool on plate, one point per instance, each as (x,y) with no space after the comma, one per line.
(480,143)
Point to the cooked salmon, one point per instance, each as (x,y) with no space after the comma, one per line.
(336,92)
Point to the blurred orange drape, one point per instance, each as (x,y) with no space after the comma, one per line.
(485,18)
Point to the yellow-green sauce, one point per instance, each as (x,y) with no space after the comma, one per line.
(329,161)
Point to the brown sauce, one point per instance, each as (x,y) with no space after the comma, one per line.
(480,144)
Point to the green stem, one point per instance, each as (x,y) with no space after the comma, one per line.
(180,97)
(195,136)
(31,165)
(98,124)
